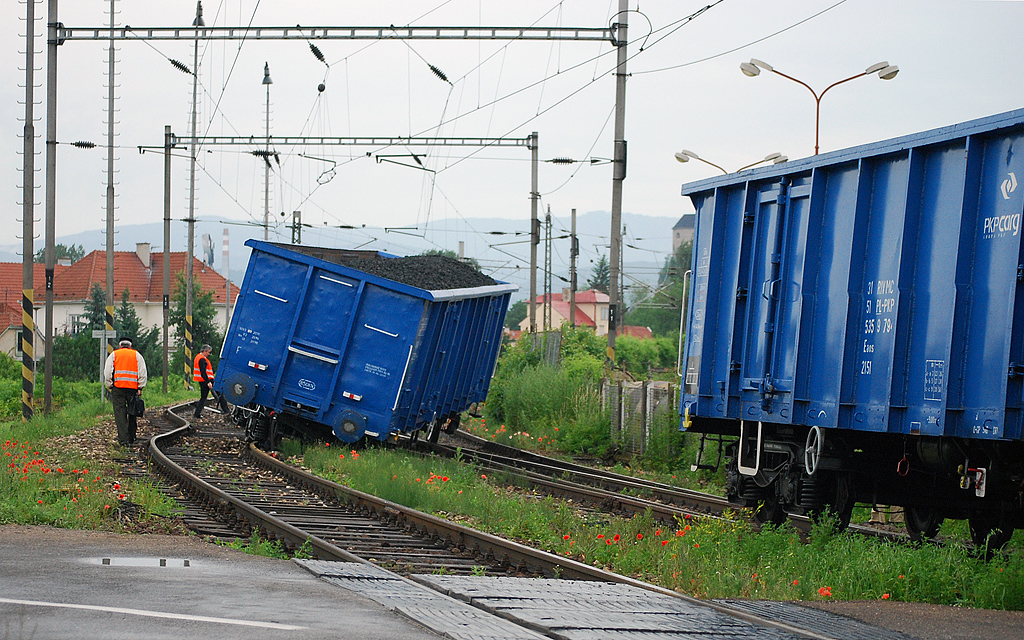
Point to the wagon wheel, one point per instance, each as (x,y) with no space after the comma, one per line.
(813,448)
(922,522)
(990,531)
(770,510)
(837,498)
(434,431)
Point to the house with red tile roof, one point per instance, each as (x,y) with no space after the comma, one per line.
(633,331)
(591,311)
(11,288)
(140,272)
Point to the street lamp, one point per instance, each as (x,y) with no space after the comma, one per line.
(686,155)
(884,70)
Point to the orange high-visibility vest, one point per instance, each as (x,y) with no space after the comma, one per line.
(197,375)
(126,369)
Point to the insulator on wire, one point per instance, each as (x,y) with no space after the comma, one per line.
(562,161)
(180,66)
(84,144)
(317,53)
(439,73)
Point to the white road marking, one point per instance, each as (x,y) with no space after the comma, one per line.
(154,614)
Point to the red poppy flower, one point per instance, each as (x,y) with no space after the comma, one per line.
(639,536)
(565,537)
(616,538)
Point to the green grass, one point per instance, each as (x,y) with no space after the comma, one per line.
(48,482)
(257,545)
(712,558)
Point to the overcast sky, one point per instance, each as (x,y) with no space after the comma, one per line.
(958,60)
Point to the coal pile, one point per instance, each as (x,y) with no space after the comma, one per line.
(432,273)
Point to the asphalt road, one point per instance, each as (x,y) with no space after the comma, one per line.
(54,584)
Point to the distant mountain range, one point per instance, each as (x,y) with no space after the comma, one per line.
(500,246)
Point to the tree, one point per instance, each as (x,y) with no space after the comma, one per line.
(146,341)
(95,314)
(451,254)
(76,357)
(75,252)
(516,314)
(600,276)
(204,326)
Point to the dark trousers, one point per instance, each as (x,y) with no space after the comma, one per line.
(126,424)
(204,390)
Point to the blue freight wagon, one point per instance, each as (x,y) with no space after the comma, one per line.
(317,345)
(856,327)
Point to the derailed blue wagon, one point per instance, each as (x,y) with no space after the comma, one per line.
(856,329)
(334,340)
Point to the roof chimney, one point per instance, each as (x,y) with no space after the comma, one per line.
(142,250)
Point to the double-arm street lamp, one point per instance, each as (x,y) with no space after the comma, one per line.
(686,155)
(884,70)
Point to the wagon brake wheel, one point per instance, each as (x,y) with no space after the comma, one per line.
(813,448)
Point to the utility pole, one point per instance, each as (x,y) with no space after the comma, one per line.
(51,197)
(574,252)
(169,142)
(225,246)
(266,158)
(618,175)
(197,23)
(109,324)
(534,230)
(622,276)
(547,271)
(28,364)
(296,227)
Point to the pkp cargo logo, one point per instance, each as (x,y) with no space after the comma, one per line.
(308,385)
(1000,226)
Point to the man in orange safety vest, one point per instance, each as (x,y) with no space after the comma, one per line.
(124,374)
(202,373)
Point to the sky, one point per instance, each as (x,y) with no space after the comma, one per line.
(958,60)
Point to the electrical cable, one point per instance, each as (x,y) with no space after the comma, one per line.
(735,49)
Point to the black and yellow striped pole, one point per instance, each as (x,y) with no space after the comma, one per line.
(28,362)
(188,352)
(109,326)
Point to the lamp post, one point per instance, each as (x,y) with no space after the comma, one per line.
(884,70)
(686,155)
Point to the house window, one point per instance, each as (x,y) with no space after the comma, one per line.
(76,323)
(604,313)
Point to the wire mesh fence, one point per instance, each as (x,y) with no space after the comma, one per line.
(641,413)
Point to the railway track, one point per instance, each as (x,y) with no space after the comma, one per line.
(602,489)
(242,489)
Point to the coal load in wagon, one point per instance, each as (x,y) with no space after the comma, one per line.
(432,273)
(429,272)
